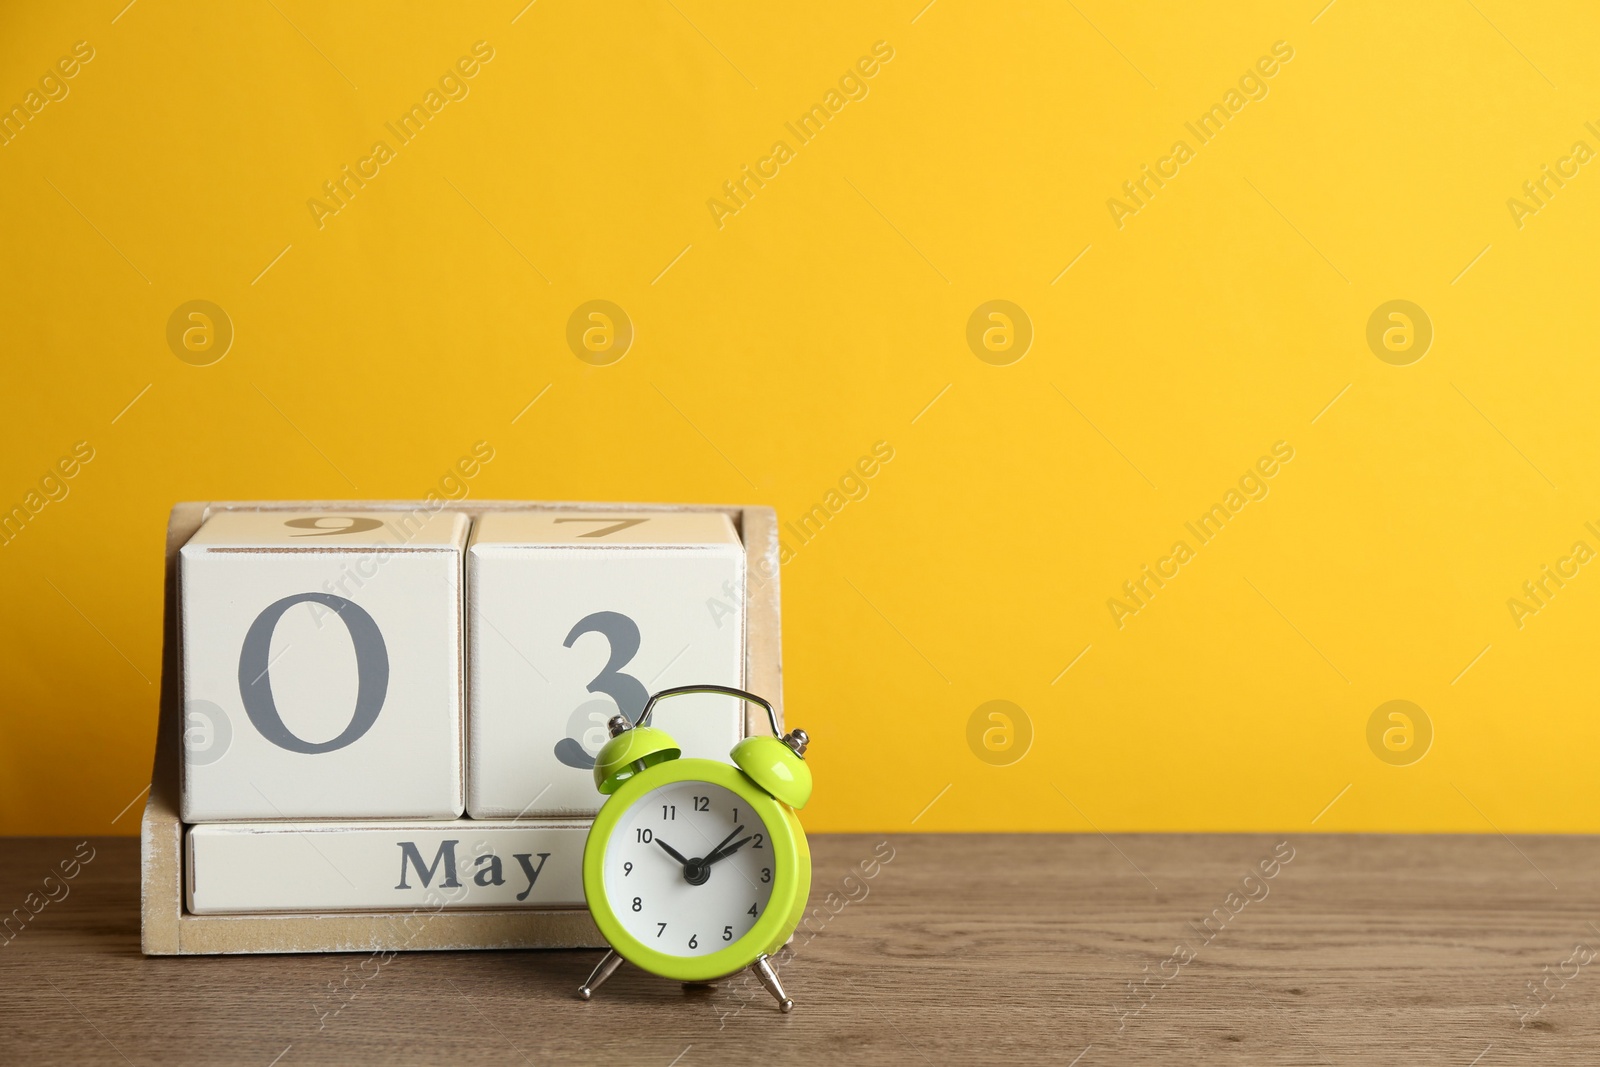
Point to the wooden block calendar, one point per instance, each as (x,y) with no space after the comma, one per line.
(265,858)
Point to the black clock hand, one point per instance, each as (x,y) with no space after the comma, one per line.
(674,853)
(724,853)
(696,871)
(737,830)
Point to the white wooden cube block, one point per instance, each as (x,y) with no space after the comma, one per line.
(574,616)
(322,665)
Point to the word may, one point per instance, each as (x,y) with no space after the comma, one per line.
(1581,153)
(850,488)
(1252,86)
(451,486)
(53,488)
(1232,905)
(1582,955)
(852,86)
(33,903)
(1252,486)
(54,88)
(493,874)
(452,86)
(1581,554)
(855,890)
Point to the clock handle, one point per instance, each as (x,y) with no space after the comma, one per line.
(725,690)
(776,764)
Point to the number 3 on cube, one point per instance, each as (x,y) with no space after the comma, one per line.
(575,617)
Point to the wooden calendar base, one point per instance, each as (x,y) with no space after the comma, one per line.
(167,928)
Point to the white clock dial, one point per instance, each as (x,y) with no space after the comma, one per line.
(682,906)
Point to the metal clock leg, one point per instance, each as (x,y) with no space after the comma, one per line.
(602,971)
(769,979)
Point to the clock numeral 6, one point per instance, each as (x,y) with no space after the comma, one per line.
(694,941)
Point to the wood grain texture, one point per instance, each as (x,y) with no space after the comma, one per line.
(961,949)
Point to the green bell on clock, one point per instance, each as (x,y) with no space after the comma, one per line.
(630,752)
(777,766)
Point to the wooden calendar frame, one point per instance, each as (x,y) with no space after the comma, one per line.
(167,928)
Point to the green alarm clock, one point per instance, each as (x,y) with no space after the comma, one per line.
(695,869)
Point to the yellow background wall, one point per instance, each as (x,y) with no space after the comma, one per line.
(776,345)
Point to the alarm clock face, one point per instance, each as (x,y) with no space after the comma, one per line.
(690,868)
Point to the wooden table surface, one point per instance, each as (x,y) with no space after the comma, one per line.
(960,949)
